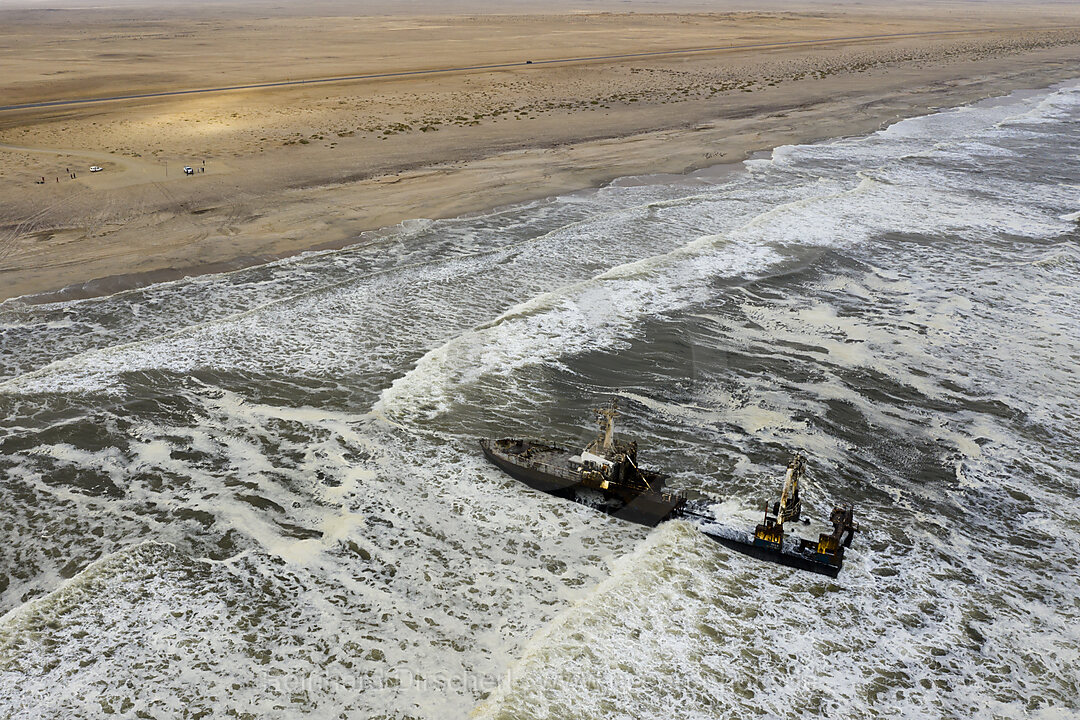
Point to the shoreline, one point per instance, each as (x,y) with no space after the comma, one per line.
(223,225)
(124,282)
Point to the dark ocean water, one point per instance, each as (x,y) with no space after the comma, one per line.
(259,494)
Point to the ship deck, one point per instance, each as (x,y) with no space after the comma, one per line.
(539,456)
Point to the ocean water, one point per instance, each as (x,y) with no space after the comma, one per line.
(259,494)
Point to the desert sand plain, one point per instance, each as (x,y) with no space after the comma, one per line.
(312,165)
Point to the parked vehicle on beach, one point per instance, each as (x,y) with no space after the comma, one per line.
(96,168)
(188,170)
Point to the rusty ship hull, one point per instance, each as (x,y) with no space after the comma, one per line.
(552,470)
(605,476)
(791,552)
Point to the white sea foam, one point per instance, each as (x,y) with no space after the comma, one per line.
(901,307)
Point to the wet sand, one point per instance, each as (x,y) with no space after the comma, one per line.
(283,170)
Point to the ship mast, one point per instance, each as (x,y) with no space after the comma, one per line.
(770,533)
(790,502)
(606,419)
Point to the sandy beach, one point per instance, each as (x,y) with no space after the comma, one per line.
(285,169)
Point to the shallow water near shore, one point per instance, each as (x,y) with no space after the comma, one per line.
(259,494)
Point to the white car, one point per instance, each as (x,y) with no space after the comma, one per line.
(95,168)
(188,170)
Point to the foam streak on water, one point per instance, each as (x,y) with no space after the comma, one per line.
(258,494)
